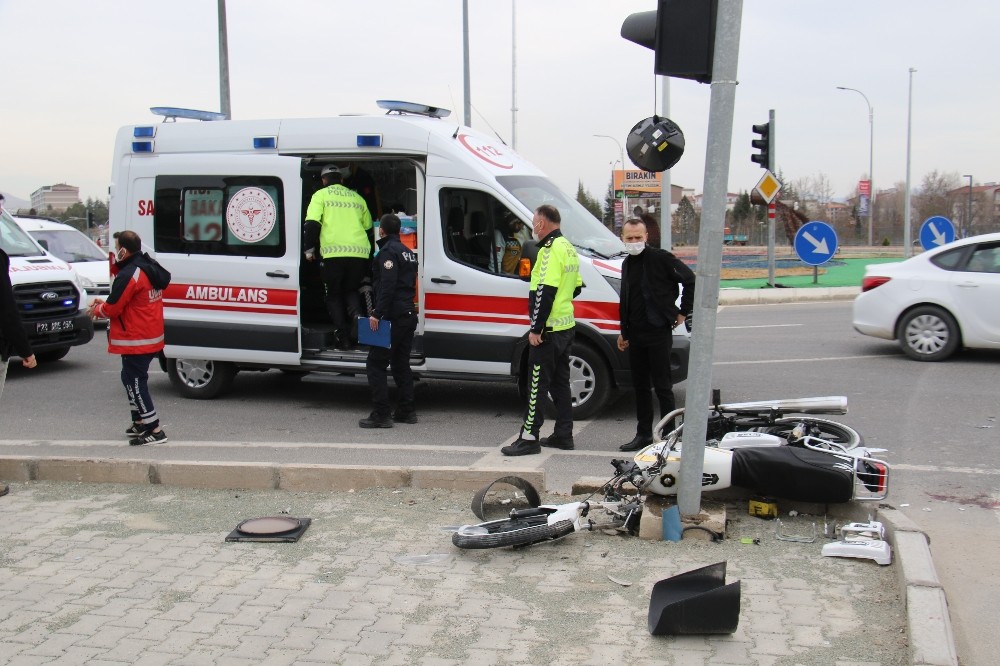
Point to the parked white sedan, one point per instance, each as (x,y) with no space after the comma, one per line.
(935,303)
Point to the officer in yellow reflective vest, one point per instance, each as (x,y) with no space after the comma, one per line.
(338,227)
(555,282)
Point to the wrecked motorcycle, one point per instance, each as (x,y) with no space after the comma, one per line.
(771,447)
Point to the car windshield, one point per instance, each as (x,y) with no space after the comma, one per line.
(579,225)
(14,241)
(69,245)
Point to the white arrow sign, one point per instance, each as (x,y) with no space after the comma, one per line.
(939,238)
(819,246)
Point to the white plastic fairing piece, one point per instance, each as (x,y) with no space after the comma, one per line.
(875,549)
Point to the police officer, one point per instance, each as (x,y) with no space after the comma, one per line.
(338,222)
(555,281)
(652,279)
(395,272)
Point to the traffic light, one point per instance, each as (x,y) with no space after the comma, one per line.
(682,35)
(763,144)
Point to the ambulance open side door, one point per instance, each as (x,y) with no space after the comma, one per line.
(228,228)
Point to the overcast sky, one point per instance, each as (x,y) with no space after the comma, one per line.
(72,72)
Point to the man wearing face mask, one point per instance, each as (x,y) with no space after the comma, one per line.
(652,279)
(555,282)
(134,310)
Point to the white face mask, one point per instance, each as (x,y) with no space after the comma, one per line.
(635,248)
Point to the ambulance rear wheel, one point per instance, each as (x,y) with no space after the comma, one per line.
(201,380)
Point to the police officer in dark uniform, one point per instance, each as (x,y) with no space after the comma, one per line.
(395,274)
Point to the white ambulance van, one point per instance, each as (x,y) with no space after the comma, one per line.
(221,203)
(50,299)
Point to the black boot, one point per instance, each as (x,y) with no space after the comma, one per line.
(638,442)
(375,420)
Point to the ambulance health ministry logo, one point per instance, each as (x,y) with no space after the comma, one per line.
(251,214)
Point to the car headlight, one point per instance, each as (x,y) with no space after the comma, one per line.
(86,283)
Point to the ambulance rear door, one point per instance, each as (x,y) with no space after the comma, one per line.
(228,228)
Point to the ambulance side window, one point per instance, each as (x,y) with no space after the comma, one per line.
(474,225)
(220,215)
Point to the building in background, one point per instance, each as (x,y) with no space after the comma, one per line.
(54,198)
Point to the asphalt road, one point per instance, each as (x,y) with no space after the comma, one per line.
(939,421)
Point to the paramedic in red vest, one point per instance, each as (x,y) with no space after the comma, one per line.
(652,279)
(339,226)
(395,271)
(134,309)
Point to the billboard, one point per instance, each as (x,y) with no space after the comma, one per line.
(637,181)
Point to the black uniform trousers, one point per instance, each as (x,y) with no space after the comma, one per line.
(397,356)
(548,373)
(649,360)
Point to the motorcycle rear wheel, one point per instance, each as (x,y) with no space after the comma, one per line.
(824,429)
(509,532)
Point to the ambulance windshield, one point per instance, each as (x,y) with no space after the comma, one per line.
(14,241)
(579,225)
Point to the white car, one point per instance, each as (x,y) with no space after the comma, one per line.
(935,303)
(67,243)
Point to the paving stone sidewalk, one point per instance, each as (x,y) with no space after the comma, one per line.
(116,574)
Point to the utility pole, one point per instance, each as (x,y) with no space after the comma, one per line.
(224,102)
(666,192)
(513,74)
(465,62)
(713,222)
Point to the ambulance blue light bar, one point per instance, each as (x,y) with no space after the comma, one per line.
(369,141)
(262,142)
(144,132)
(142,146)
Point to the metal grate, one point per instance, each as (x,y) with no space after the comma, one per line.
(45,300)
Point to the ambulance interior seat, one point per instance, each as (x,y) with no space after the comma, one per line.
(481,243)
(458,245)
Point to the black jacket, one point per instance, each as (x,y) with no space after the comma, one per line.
(12,338)
(394,270)
(665,277)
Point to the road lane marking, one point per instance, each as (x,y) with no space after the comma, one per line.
(719,328)
(802,360)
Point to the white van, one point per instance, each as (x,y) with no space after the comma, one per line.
(49,296)
(69,244)
(221,203)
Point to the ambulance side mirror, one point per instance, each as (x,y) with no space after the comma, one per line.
(529,252)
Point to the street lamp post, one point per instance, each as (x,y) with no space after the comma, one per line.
(907,246)
(622,155)
(871,156)
(968,208)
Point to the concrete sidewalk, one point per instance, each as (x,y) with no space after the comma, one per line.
(131,567)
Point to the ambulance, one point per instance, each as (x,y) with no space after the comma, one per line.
(221,204)
(50,298)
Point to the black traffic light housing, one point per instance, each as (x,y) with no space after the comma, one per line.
(682,35)
(763,144)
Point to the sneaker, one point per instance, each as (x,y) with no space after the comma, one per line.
(638,442)
(135,430)
(149,438)
(521,447)
(556,442)
(375,421)
(405,417)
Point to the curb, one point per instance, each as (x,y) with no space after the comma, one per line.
(739,296)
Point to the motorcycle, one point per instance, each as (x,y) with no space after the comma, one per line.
(773,447)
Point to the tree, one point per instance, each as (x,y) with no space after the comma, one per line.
(933,197)
(609,206)
(588,202)
(686,222)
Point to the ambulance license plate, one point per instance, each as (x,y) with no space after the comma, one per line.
(54,326)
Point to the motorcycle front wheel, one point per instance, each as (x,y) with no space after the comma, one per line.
(824,429)
(509,532)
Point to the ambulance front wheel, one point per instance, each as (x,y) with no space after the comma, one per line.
(589,383)
(199,379)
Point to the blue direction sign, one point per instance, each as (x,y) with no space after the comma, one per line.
(936,231)
(815,243)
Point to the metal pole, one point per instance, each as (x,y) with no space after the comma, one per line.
(224,102)
(871,162)
(622,154)
(968,210)
(666,191)
(513,74)
(907,247)
(713,222)
(465,63)
(773,206)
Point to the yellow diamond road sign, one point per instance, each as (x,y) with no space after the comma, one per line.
(768,186)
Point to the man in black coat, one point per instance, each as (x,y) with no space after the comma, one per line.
(395,271)
(652,279)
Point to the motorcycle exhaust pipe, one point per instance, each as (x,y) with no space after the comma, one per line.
(831,404)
